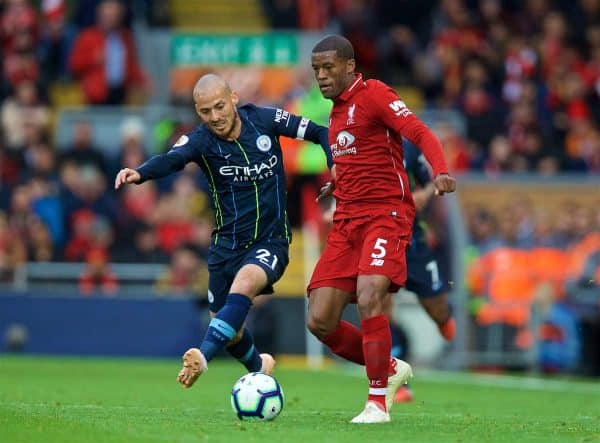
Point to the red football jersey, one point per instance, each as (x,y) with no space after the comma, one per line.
(367,123)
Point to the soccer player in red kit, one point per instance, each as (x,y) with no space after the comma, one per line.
(364,257)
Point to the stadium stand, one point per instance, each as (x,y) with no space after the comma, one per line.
(511,90)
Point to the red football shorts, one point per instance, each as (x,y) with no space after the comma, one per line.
(363,246)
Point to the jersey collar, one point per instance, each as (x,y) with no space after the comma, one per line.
(354,87)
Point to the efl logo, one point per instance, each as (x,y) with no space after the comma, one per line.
(400,109)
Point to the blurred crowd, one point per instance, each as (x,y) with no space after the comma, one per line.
(525,75)
(57,202)
(533,272)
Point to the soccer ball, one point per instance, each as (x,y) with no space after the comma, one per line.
(257,396)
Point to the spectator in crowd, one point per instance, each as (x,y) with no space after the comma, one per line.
(187,274)
(21,111)
(56,41)
(104,58)
(40,161)
(483,229)
(145,247)
(40,246)
(12,249)
(46,205)
(97,277)
(132,151)
(83,152)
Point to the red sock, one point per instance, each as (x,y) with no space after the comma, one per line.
(448,329)
(346,341)
(377,345)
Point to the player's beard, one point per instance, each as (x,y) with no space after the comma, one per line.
(227,132)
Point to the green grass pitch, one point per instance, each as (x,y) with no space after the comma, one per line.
(109,400)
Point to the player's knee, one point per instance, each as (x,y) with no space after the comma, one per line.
(319,327)
(370,304)
(438,310)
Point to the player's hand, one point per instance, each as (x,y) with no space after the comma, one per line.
(326,191)
(126,176)
(444,183)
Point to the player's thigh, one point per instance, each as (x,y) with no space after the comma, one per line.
(383,249)
(249,280)
(338,264)
(262,265)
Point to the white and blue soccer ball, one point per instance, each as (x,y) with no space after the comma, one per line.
(257,396)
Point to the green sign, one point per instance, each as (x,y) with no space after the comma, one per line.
(263,49)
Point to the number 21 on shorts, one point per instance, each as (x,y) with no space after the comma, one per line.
(379,252)
(264,256)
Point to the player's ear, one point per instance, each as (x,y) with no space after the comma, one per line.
(235,99)
(350,66)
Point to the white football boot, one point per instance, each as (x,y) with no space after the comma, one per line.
(194,365)
(372,414)
(402,373)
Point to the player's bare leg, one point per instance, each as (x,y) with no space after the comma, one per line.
(439,310)
(194,365)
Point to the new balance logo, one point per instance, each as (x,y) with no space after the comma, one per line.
(400,109)
(377,262)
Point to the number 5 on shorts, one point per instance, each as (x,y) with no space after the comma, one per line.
(379,249)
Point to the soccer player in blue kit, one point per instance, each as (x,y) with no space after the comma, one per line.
(238,150)
(424,278)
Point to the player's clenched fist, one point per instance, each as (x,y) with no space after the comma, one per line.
(444,183)
(126,176)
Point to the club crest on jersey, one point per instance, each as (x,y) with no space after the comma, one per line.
(351,110)
(263,143)
(181,141)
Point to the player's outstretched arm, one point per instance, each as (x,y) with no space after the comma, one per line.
(126,176)
(301,128)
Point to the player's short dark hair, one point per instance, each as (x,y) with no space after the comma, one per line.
(337,43)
